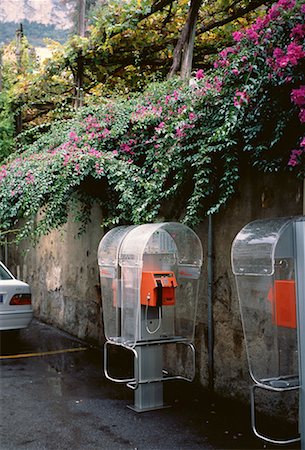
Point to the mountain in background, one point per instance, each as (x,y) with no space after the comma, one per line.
(40,19)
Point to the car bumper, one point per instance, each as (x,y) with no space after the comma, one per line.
(15,320)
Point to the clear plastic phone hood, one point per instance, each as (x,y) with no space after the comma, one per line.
(125,253)
(267,261)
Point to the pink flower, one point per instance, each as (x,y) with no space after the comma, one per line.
(293,159)
(298,31)
(218,84)
(176,95)
(179,132)
(94,152)
(224,62)
(288,79)
(157,111)
(235,72)
(237,36)
(278,53)
(182,109)
(192,116)
(92,123)
(91,135)
(105,133)
(252,35)
(286,4)
(73,136)
(199,74)
(302,144)
(295,52)
(126,148)
(3,173)
(224,53)
(160,126)
(29,177)
(298,96)
(98,169)
(241,98)
(280,58)
(259,24)
(77,168)
(281,4)
(66,159)
(302,115)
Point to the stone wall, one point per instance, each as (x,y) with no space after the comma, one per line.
(62,270)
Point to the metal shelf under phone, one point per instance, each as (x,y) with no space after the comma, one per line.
(134,382)
(276,384)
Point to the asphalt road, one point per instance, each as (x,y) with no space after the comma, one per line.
(54,396)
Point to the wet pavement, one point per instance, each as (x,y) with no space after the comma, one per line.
(54,396)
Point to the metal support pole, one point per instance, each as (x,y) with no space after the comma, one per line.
(149,394)
(210,306)
(6,252)
(304,197)
(300,292)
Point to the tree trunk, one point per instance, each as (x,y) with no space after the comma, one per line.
(183,52)
(79,95)
(188,51)
(1,57)
(80,60)
(18,117)
(82,18)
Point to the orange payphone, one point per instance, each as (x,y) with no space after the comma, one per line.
(158,288)
(283,299)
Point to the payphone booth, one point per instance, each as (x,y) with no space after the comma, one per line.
(268,264)
(149,283)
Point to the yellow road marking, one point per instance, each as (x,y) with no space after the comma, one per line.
(52,352)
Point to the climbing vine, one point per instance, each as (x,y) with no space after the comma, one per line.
(174,141)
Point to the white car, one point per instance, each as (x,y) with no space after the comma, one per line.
(16,310)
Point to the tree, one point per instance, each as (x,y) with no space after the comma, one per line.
(18,63)
(127,45)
